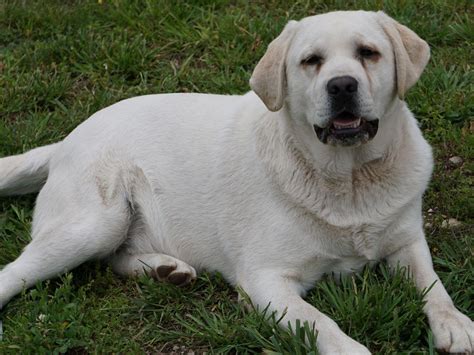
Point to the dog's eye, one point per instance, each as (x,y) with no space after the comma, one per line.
(312,60)
(367,53)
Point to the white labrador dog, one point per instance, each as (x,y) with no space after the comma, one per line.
(320,169)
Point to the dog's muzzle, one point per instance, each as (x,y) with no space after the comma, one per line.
(346,129)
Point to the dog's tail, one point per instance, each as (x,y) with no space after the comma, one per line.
(25,173)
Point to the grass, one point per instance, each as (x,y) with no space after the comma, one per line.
(60,61)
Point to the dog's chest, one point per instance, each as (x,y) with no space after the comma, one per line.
(365,242)
(340,251)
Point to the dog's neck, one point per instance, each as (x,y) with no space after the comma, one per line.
(309,172)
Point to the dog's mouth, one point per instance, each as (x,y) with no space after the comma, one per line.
(347,129)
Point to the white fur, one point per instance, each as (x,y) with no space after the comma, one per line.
(220,183)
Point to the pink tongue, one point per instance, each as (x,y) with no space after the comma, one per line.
(345,121)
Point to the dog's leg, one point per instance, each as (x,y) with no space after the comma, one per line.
(67,230)
(452,330)
(160,266)
(282,295)
(60,250)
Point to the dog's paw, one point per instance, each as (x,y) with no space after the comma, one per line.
(342,346)
(453,331)
(176,272)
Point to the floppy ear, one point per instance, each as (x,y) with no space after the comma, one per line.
(268,79)
(411,52)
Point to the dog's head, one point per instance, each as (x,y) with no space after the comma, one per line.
(340,72)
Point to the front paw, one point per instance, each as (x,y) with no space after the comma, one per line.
(342,345)
(453,331)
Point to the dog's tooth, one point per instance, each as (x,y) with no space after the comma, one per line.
(355,124)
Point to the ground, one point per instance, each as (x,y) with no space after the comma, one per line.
(60,61)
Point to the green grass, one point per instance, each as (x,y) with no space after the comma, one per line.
(60,61)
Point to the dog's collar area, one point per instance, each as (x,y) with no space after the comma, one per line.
(346,129)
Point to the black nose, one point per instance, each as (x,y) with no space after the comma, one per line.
(342,86)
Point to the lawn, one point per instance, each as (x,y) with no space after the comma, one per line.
(60,61)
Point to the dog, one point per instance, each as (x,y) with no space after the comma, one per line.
(319,169)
